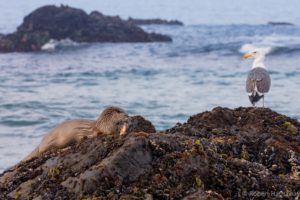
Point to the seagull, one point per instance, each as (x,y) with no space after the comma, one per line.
(258,81)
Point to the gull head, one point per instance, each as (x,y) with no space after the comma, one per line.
(259,57)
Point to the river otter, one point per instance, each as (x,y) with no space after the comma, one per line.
(113,120)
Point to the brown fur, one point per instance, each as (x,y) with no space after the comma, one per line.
(111,121)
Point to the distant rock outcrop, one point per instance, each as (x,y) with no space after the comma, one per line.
(245,153)
(154,21)
(58,23)
(280,24)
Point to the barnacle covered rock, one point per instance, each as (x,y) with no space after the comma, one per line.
(243,153)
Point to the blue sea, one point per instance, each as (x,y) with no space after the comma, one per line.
(165,82)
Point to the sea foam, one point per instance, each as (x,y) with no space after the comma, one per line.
(57,44)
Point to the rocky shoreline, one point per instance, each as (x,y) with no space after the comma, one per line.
(64,22)
(243,153)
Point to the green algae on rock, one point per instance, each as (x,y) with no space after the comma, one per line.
(245,153)
(290,127)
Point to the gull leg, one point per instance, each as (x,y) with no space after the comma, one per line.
(263,101)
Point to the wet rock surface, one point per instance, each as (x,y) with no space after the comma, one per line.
(52,22)
(245,153)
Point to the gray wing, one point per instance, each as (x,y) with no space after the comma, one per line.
(260,78)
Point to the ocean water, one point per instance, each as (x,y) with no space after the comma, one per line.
(165,82)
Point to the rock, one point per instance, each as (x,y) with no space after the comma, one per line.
(59,23)
(219,154)
(280,24)
(127,164)
(290,127)
(204,195)
(154,21)
(140,124)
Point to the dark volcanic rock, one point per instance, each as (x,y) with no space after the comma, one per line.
(52,22)
(154,21)
(245,153)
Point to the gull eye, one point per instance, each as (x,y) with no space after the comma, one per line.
(254,52)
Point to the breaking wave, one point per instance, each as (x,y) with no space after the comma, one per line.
(59,44)
(230,39)
(273,44)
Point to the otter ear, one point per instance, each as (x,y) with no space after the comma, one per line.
(123,129)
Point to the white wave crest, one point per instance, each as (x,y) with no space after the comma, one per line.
(56,44)
(246,48)
(270,43)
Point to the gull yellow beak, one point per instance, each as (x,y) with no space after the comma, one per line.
(248,55)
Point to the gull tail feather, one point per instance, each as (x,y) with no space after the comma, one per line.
(255,97)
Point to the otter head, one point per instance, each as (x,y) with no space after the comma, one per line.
(113,120)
